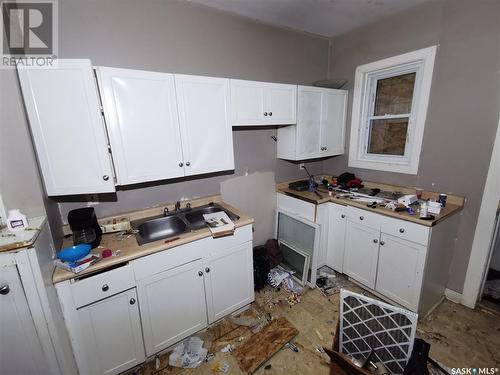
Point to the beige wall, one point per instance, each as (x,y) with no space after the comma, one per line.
(464,102)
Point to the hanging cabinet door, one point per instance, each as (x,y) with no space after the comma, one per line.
(111,331)
(67,127)
(228,281)
(333,122)
(207,138)
(247,101)
(309,118)
(143,124)
(172,305)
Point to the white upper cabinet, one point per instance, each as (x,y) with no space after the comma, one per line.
(262,103)
(67,127)
(320,129)
(204,115)
(143,125)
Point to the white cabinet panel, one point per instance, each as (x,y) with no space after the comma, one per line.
(172,305)
(336,237)
(279,104)
(143,125)
(400,270)
(67,127)
(361,253)
(333,121)
(228,281)
(247,101)
(207,138)
(308,122)
(111,331)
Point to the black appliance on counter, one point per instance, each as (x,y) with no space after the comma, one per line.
(84,225)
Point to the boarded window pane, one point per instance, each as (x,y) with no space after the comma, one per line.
(394,95)
(388,137)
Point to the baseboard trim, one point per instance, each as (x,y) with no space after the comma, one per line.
(453,296)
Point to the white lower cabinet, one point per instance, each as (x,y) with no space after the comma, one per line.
(337,221)
(400,270)
(228,281)
(172,305)
(361,253)
(111,333)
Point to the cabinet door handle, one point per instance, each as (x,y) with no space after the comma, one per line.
(401,230)
(265,113)
(375,241)
(132,301)
(270,113)
(342,216)
(361,218)
(4,289)
(105,288)
(326,148)
(181,164)
(207,270)
(188,164)
(105,177)
(382,243)
(200,273)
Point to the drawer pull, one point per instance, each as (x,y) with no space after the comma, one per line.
(382,243)
(200,273)
(342,216)
(207,270)
(105,288)
(401,230)
(361,218)
(132,301)
(375,240)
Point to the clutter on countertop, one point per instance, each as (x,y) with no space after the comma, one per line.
(77,265)
(16,221)
(219,224)
(189,353)
(14,240)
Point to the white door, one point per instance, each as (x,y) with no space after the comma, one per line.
(204,114)
(172,305)
(280,104)
(67,127)
(309,115)
(143,124)
(228,281)
(336,237)
(20,347)
(361,253)
(333,121)
(247,103)
(400,270)
(111,331)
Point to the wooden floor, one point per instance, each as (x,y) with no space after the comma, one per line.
(459,337)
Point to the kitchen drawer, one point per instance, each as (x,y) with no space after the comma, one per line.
(94,288)
(364,217)
(405,230)
(296,206)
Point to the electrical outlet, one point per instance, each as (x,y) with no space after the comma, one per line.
(301,166)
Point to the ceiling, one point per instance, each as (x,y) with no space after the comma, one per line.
(322,17)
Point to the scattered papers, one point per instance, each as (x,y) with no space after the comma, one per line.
(190,353)
(219,223)
(79,265)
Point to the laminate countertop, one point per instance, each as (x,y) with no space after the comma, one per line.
(454,203)
(128,247)
(17,240)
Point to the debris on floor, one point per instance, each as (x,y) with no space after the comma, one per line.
(329,283)
(220,367)
(280,278)
(190,353)
(492,288)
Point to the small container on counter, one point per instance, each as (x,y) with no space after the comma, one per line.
(16,221)
(424,209)
(442,199)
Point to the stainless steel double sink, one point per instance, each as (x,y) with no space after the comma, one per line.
(175,223)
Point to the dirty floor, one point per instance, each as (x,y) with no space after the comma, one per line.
(459,337)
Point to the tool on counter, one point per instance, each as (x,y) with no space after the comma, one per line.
(171,239)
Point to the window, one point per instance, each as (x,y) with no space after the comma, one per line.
(389,111)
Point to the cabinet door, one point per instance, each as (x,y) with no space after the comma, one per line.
(280,104)
(207,137)
(336,237)
(143,125)
(67,127)
(247,103)
(229,281)
(361,253)
(400,270)
(172,305)
(333,121)
(111,330)
(309,115)
(21,350)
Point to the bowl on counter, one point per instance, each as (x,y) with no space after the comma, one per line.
(73,253)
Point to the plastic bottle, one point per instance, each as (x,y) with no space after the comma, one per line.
(424,209)
(16,221)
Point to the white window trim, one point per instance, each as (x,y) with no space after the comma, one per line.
(424,58)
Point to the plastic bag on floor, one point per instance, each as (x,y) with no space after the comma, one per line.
(277,275)
(190,353)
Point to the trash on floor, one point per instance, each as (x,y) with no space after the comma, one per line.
(280,277)
(220,367)
(492,288)
(329,283)
(190,353)
(227,349)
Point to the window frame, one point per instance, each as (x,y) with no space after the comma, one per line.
(422,63)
